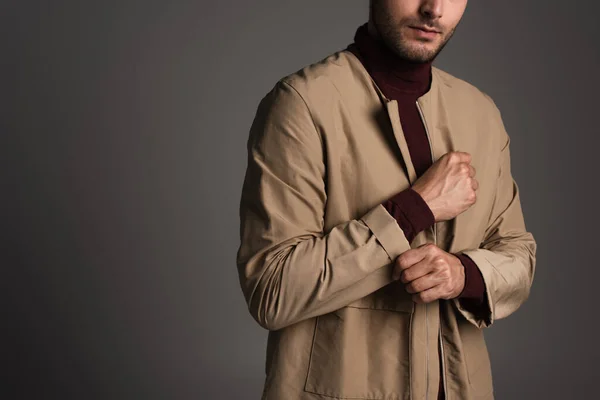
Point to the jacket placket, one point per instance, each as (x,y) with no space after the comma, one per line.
(424,329)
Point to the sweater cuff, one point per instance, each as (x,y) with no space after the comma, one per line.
(474,285)
(410,211)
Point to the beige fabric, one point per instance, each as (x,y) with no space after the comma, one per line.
(325,149)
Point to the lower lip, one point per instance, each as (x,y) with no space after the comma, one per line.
(425,34)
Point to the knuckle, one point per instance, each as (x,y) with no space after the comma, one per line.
(430,247)
(404,258)
(439,265)
(405,277)
(439,261)
(400,262)
(472,197)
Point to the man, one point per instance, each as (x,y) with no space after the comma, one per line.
(369,250)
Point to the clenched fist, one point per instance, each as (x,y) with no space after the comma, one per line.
(430,273)
(448,186)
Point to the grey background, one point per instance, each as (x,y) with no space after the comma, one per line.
(123,132)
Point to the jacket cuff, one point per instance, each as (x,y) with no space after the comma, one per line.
(387,231)
(410,211)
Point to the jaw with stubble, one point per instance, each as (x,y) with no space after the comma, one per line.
(416,38)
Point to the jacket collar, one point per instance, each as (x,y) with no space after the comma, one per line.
(438,77)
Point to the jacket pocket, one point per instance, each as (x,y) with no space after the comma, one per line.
(361,352)
(392,297)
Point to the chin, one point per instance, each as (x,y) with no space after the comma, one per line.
(418,55)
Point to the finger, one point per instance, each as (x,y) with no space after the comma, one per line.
(416,271)
(427,296)
(474,184)
(472,171)
(423,283)
(464,156)
(413,256)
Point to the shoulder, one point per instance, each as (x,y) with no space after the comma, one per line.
(325,78)
(295,100)
(316,88)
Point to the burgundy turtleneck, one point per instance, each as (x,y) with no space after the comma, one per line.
(405,82)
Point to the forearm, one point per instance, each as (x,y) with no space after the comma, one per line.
(309,275)
(506,255)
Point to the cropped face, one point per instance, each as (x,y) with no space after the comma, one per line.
(415,30)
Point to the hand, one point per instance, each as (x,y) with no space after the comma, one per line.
(430,273)
(448,186)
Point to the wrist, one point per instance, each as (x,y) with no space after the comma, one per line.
(474,287)
(425,197)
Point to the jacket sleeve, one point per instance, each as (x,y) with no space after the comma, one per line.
(289,268)
(507,255)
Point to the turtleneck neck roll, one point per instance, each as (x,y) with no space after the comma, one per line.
(394,75)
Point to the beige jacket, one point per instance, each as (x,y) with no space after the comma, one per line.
(325,149)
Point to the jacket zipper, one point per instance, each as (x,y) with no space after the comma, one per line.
(443,377)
